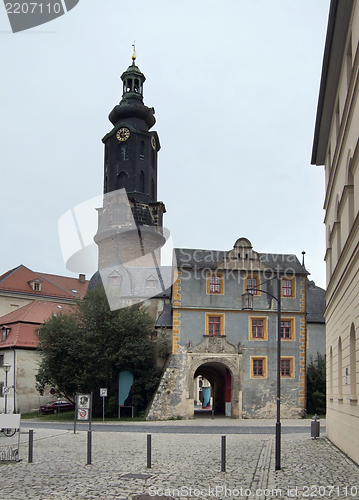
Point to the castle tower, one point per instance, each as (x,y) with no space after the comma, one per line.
(130,221)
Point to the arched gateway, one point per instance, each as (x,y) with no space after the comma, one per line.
(221,364)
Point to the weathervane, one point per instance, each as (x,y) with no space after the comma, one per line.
(134,51)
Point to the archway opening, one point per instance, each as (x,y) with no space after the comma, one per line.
(220,382)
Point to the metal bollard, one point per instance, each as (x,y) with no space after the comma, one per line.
(31,445)
(89,447)
(223,454)
(315,427)
(148,451)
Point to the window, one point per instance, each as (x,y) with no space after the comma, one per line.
(142,182)
(214,324)
(288,287)
(35,285)
(258,367)
(151,282)
(5,333)
(215,283)
(252,284)
(114,279)
(142,150)
(287,367)
(1,389)
(257,328)
(287,329)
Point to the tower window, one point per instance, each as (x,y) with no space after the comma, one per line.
(137,86)
(152,189)
(129,85)
(123,152)
(142,182)
(142,150)
(122,180)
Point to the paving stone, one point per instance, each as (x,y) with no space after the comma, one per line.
(182,465)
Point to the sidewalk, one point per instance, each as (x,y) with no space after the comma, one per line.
(183,466)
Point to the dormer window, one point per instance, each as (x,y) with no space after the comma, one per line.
(4,333)
(36,285)
(151,282)
(114,279)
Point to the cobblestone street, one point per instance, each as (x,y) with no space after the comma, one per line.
(183,466)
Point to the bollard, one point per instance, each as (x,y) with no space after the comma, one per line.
(148,451)
(31,445)
(89,447)
(223,454)
(315,427)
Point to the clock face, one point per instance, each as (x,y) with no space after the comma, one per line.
(153,142)
(123,134)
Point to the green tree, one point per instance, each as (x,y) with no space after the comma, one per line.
(88,348)
(316,385)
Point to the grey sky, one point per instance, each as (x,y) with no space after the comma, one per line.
(235,87)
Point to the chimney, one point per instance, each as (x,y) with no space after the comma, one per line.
(82,278)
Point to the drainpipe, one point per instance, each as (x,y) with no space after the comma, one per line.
(14,379)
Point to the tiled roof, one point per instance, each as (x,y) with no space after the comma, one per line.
(24,322)
(198,259)
(18,281)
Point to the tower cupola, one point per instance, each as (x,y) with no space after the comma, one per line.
(133,80)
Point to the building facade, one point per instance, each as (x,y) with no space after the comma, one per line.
(234,349)
(27,298)
(336,147)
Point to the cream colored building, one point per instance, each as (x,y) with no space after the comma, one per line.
(336,146)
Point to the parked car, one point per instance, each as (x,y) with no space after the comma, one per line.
(57,406)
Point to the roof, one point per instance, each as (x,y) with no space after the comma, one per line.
(211,259)
(24,322)
(338,24)
(164,320)
(315,303)
(18,280)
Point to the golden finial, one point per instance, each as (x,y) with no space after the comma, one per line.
(134,52)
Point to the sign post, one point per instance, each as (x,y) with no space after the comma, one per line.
(83,408)
(103,395)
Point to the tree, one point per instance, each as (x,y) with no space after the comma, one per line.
(88,348)
(316,386)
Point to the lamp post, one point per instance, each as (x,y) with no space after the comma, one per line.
(248,306)
(6,368)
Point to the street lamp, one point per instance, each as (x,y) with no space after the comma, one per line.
(248,306)
(6,368)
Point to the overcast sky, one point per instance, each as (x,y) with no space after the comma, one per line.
(235,87)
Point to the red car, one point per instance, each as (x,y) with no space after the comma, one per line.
(57,406)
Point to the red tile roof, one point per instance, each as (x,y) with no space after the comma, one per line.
(24,322)
(18,281)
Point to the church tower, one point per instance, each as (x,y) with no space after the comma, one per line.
(130,221)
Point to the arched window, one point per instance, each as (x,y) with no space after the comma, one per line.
(153,189)
(353,375)
(129,85)
(142,150)
(142,182)
(122,180)
(122,152)
(340,369)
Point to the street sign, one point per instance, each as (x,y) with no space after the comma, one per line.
(6,391)
(83,401)
(83,414)
(103,393)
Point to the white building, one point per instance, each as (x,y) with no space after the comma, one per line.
(336,146)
